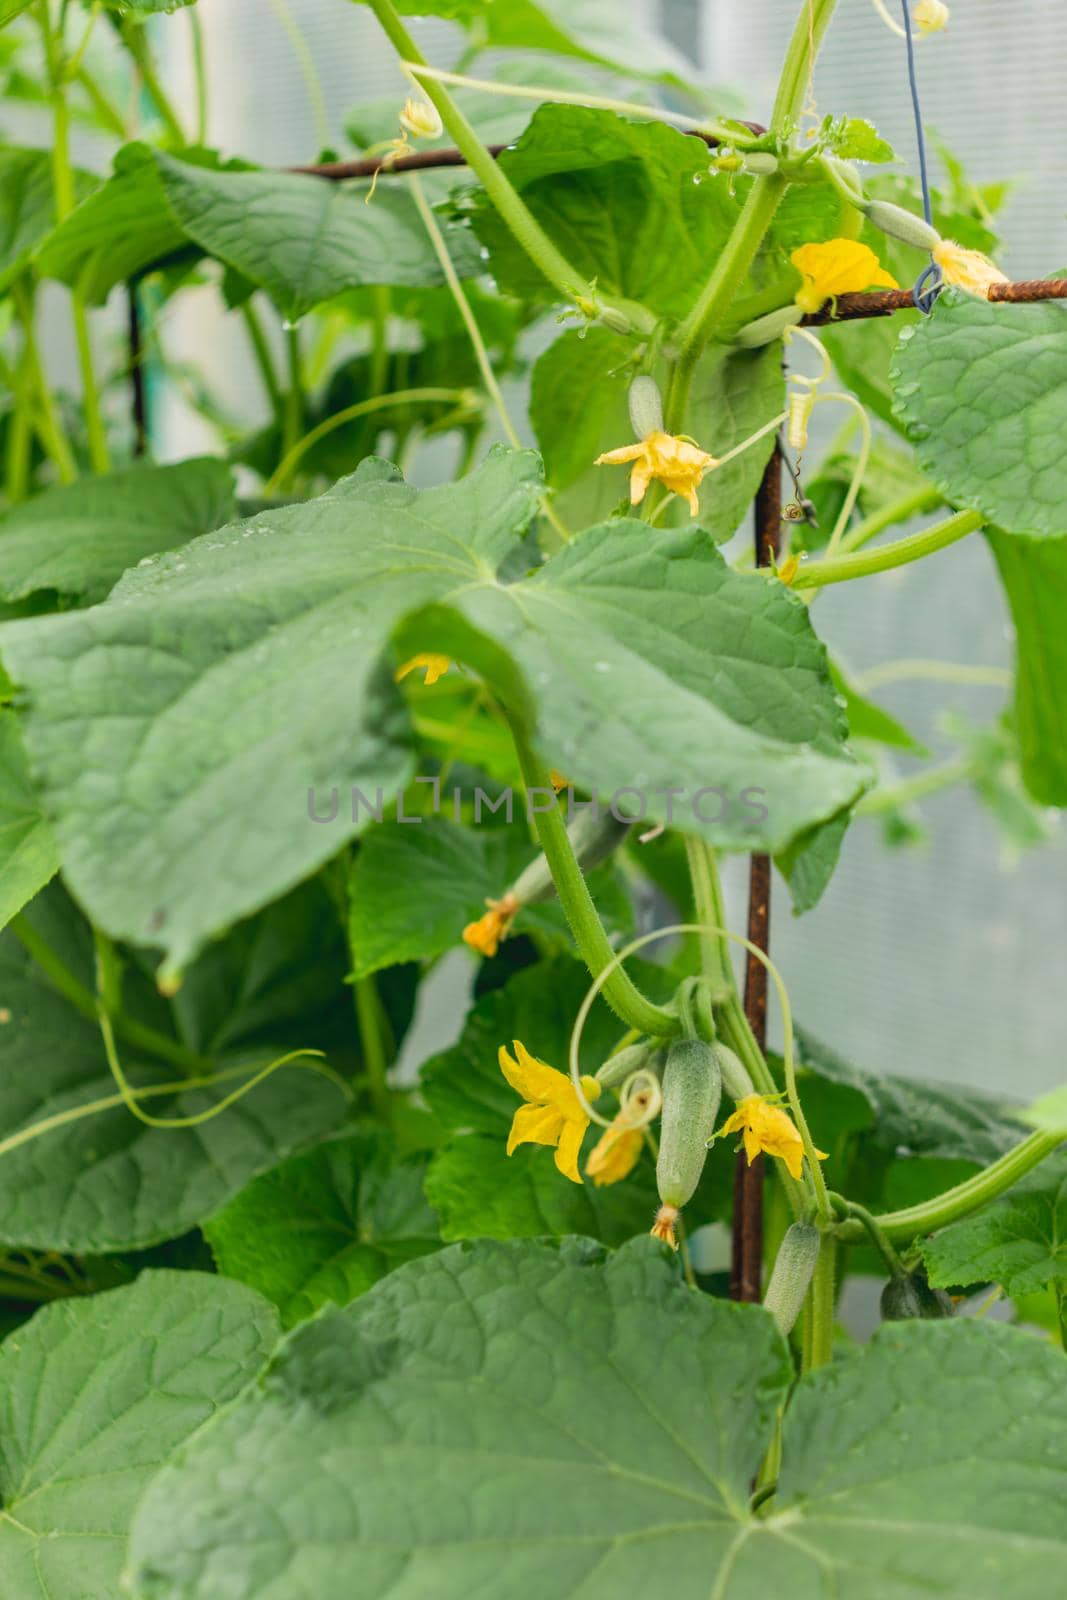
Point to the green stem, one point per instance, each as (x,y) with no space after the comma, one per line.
(550,261)
(362,408)
(199,75)
(922,785)
(372,1046)
(822,1305)
(64,193)
(264,360)
(876,1233)
(710,909)
(811,25)
(624,998)
(20,433)
(109,114)
(85,1001)
(293,423)
(308,70)
(903,1226)
(49,428)
(841,569)
(907,669)
(909,505)
(136,41)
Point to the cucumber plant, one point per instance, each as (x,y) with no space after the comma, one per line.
(436,678)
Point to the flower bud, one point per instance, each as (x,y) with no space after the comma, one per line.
(766,329)
(646,407)
(901,224)
(801,405)
(420,119)
(930,16)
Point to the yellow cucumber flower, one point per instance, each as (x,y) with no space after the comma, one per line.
(553,1114)
(967,269)
(434,666)
(486,934)
(930,16)
(838,266)
(663,1227)
(619,1147)
(677,463)
(767,1127)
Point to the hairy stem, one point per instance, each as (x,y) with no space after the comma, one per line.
(842,569)
(625,999)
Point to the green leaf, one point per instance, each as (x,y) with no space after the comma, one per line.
(1034,573)
(855,139)
(567,1427)
(618,197)
(27,848)
(145,8)
(79,539)
(118,232)
(288,615)
(302,239)
(95,1394)
(1020,1241)
(27,205)
(324,1226)
(592,30)
(809,862)
(913,1117)
(97,1179)
(978,387)
(645,651)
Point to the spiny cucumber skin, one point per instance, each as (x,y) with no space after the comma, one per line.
(692,1088)
(635,1058)
(793,1269)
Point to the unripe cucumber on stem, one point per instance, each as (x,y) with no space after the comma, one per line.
(692,1089)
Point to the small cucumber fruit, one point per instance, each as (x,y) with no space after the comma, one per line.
(692,1088)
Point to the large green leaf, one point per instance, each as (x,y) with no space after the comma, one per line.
(517,1421)
(324,1226)
(79,539)
(618,197)
(914,1117)
(979,389)
(303,239)
(27,205)
(300,238)
(1034,573)
(592,30)
(95,1178)
(27,848)
(1019,1242)
(643,659)
(95,1394)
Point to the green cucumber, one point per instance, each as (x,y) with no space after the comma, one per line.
(908,1294)
(593,839)
(692,1088)
(794,1266)
(624,1063)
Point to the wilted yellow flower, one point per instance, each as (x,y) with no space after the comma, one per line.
(553,1114)
(434,666)
(558,781)
(767,1127)
(663,1227)
(930,16)
(677,463)
(420,120)
(619,1147)
(967,269)
(838,266)
(486,934)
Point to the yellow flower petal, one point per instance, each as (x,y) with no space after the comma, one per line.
(569,1148)
(535,1125)
(837,266)
(930,16)
(768,1128)
(420,119)
(663,1227)
(615,1155)
(967,269)
(435,666)
(533,1079)
(617,458)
